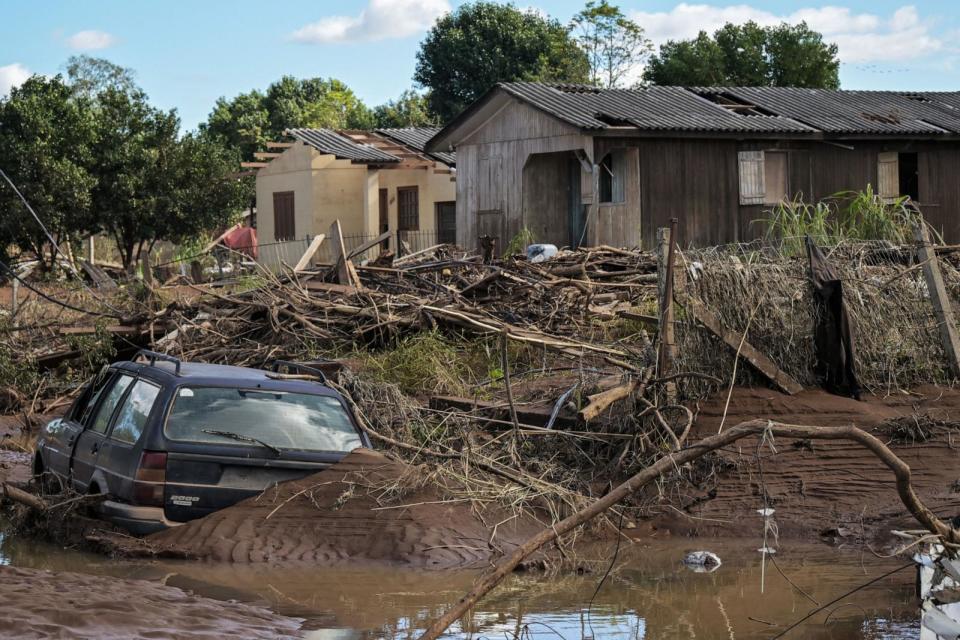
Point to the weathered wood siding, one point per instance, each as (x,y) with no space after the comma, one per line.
(697,181)
(490,162)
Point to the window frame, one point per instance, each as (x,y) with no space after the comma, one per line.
(616,172)
(752,188)
(769,199)
(126,396)
(90,426)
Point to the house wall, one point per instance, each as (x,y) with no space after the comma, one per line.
(432,188)
(491,202)
(697,181)
(326,189)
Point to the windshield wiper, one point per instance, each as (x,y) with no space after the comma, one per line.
(243,438)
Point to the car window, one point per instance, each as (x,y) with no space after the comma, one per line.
(88,400)
(134,412)
(110,402)
(297,421)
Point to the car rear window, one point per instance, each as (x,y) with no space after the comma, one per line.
(296,421)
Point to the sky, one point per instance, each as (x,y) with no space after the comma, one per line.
(188,54)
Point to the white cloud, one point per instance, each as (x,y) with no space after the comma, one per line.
(860,37)
(11,76)
(380,20)
(90,40)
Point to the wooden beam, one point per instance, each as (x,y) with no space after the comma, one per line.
(942,308)
(307,256)
(443,171)
(266,155)
(369,244)
(220,237)
(346,274)
(253,165)
(280,145)
(748,352)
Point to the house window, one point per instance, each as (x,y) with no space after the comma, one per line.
(408,208)
(283,219)
(775,177)
(898,176)
(753,188)
(613,175)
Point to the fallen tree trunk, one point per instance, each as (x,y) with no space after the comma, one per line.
(900,469)
(23,497)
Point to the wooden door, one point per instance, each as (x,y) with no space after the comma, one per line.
(408,208)
(384,223)
(284,226)
(446,222)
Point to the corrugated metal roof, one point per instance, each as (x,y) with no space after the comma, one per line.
(652,108)
(416,138)
(329,141)
(855,112)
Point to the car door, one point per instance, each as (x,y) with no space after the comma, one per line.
(91,439)
(119,455)
(60,436)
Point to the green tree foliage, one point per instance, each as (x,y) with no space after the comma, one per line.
(482,43)
(411,109)
(151,184)
(89,76)
(250,120)
(614,44)
(748,55)
(46,138)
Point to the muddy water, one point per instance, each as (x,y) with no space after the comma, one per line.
(648,595)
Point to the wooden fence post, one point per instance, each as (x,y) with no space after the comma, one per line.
(15,305)
(942,308)
(666,240)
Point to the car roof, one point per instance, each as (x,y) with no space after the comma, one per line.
(220,375)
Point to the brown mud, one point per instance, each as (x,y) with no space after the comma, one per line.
(349,513)
(832,490)
(46,604)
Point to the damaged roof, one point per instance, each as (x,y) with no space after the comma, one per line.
(766,111)
(417,138)
(331,142)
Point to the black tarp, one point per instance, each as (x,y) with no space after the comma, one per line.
(834,329)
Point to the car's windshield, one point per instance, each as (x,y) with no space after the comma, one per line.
(297,421)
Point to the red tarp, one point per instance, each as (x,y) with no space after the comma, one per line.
(242,239)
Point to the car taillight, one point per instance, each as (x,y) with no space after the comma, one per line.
(148,485)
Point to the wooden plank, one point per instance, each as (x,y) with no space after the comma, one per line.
(280,145)
(942,308)
(780,379)
(216,241)
(369,244)
(330,287)
(254,165)
(266,155)
(307,256)
(100,277)
(533,416)
(120,330)
(345,275)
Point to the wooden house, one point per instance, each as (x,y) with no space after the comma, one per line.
(582,165)
(371,181)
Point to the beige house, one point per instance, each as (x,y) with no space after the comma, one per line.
(371,182)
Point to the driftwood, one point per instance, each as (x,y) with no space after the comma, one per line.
(780,379)
(508,564)
(14,494)
(599,402)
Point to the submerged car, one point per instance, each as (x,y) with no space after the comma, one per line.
(169,441)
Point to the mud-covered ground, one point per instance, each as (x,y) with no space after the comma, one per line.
(835,491)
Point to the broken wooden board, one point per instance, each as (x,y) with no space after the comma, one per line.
(369,244)
(333,287)
(345,273)
(100,277)
(764,365)
(307,256)
(528,416)
(942,308)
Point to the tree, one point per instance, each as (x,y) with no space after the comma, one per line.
(483,43)
(152,185)
(89,76)
(46,135)
(614,44)
(748,55)
(411,109)
(250,120)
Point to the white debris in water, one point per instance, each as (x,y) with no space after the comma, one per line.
(702,561)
